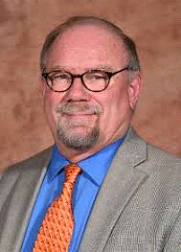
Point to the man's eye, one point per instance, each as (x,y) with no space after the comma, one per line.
(95,76)
(60,76)
(98,76)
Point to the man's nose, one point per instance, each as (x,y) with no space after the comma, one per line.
(78,91)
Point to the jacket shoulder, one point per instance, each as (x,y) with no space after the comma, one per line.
(40,159)
(156,154)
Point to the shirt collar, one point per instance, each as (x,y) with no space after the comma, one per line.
(95,166)
(57,162)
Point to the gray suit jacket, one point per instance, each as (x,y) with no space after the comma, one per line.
(137,208)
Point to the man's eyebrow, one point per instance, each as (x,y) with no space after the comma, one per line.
(103,68)
(55,68)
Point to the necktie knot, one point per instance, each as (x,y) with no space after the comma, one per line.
(71,173)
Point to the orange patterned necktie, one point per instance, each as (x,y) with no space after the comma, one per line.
(57,227)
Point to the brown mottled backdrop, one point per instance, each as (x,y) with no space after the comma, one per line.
(154,25)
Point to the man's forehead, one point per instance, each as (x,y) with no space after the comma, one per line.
(92,31)
(87,46)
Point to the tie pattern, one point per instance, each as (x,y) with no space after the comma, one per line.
(57,227)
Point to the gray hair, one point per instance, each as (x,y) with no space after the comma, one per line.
(133,60)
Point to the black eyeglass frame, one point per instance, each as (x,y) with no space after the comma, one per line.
(73,76)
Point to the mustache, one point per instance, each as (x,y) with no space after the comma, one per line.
(70,108)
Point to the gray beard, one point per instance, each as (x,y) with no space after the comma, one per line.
(77,141)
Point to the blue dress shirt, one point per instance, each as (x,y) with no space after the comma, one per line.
(94,169)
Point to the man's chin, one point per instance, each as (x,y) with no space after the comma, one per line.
(79,138)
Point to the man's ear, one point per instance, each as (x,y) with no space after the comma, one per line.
(43,85)
(134,89)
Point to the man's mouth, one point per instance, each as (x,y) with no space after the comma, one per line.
(79,115)
(76,109)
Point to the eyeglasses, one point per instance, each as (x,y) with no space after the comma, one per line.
(93,80)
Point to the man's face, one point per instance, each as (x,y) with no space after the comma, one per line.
(80,119)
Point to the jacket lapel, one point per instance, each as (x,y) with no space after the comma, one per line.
(122,181)
(17,198)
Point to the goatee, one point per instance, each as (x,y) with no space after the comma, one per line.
(66,132)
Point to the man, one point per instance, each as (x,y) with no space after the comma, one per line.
(128,194)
